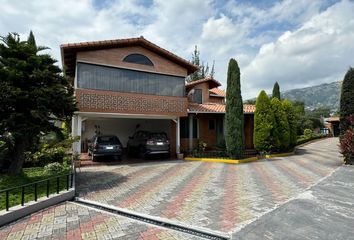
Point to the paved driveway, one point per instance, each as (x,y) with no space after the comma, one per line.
(218,197)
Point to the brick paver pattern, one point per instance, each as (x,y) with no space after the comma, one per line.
(71,221)
(216,196)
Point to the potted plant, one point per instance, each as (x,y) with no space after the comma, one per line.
(347,142)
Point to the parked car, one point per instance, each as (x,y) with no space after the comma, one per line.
(147,143)
(105,145)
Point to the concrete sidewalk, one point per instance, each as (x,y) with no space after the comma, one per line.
(325,211)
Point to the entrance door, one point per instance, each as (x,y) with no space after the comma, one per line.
(220,131)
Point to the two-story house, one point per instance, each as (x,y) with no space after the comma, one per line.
(126,85)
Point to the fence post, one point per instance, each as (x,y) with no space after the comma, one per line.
(57,185)
(67,182)
(48,184)
(72,179)
(35,192)
(23,196)
(7,200)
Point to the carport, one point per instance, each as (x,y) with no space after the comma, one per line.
(88,124)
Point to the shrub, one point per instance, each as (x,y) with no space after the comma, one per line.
(263,123)
(48,155)
(281,131)
(347,142)
(292,120)
(308,132)
(346,100)
(54,168)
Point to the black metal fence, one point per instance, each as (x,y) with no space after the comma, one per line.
(31,191)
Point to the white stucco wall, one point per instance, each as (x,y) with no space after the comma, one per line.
(123,128)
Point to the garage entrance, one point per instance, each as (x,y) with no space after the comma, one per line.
(124,126)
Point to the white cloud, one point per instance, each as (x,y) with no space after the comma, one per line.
(289,41)
(319,51)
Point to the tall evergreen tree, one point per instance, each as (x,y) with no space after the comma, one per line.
(276,91)
(263,123)
(292,121)
(31,40)
(346,100)
(281,131)
(234,112)
(34,95)
(203,70)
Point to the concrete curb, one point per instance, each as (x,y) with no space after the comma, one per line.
(18,212)
(217,160)
(153,218)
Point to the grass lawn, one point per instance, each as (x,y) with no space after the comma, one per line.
(29,175)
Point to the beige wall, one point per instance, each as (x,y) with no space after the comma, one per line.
(123,128)
(114,57)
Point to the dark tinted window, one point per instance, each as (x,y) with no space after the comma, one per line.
(108,140)
(197,96)
(158,135)
(139,59)
(98,77)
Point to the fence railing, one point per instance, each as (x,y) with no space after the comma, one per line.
(48,183)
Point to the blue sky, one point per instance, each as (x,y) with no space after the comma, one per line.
(298,43)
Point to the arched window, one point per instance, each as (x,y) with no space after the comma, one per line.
(138,58)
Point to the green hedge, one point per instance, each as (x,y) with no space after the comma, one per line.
(309,137)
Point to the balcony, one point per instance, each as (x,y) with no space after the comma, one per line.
(129,103)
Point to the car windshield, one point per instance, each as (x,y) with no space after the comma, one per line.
(108,140)
(158,135)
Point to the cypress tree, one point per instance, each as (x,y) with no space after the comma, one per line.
(281,135)
(346,100)
(263,123)
(234,112)
(276,91)
(292,121)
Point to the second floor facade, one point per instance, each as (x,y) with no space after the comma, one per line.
(131,76)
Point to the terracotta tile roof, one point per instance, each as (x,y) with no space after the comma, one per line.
(217,91)
(332,119)
(69,50)
(216,108)
(212,83)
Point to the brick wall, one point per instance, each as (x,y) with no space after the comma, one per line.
(115,56)
(129,103)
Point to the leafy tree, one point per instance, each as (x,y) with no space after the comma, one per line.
(250,101)
(281,131)
(346,100)
(234,112)
(34,95)
(203,70)
(263,123)
(292,121)
(276,91)
(319,112)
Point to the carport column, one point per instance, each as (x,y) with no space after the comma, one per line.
(178,139)
(190,139)
(79,130)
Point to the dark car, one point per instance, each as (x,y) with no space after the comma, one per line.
(147,143)
(105,145)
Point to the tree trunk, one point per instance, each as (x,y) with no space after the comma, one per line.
(17,156)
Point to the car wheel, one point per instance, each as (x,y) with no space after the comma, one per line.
(142,155)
